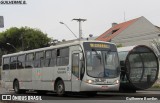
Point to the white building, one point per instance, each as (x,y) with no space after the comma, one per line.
(133,32)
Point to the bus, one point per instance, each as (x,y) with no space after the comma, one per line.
(79,66)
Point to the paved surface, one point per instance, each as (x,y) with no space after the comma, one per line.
(103,97)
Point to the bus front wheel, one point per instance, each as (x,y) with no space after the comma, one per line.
(60,89)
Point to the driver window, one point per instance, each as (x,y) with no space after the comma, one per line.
(75,65)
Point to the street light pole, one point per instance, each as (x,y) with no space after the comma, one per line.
(12,46)
(22,42)
(80,26)
(68,28)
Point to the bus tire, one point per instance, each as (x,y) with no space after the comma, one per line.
(60,88)
(16,87)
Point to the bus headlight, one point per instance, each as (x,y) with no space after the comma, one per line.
(90,81)
(116,82)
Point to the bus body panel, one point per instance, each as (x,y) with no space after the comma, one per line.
(25,78)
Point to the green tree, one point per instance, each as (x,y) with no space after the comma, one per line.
(24,38)
(119,45)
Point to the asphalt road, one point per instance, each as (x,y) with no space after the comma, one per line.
(102,97)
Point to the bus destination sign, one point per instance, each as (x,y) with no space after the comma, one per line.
(99,46)
(95,45)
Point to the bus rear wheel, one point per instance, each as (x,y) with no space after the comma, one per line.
(16,87)
(60,89)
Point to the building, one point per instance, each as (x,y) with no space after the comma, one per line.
(133,32)
(138,31)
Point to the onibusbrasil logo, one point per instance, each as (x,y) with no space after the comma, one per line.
(13,2)
(20,97)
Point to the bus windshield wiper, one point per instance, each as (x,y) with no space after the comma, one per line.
(97,54)
(106,55)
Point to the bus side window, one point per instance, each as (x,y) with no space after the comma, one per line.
(58,57)
(29,60)
(54,57)
(50,58)
(21,62)
(63,56)
(6,63)
(47,61)
(13,62)
(39,59)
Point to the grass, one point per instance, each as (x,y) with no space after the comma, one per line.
(156,86)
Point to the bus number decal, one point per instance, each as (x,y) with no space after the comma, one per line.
(61,70)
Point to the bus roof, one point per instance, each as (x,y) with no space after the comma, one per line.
(65,44)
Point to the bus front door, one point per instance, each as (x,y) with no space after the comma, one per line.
(76,82)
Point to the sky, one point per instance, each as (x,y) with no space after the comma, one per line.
(100,14)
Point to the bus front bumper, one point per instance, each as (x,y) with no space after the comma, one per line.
(94,87)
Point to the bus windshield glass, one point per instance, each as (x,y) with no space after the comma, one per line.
(101,62)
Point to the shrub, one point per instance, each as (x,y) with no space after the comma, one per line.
(156,86)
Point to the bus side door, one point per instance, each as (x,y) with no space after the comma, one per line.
(76,82)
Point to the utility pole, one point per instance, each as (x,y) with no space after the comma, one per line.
(1,22)
(22,37)
(80,26)
(124,16)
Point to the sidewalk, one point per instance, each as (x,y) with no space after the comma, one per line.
(153,89)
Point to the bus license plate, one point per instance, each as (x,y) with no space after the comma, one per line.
(104,87)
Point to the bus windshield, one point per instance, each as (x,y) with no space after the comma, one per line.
(102,63)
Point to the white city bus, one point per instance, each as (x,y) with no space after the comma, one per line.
(80,66)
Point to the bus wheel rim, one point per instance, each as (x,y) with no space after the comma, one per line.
(60,88)
(16,87)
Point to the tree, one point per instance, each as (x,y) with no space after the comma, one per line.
(24,38)
(119,45)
